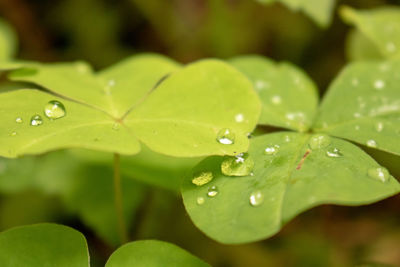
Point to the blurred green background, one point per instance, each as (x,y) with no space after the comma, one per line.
(75,187)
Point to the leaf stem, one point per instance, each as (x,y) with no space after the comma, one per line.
(122,231)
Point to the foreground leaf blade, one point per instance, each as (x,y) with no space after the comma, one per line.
(284,184)
(363,105)
(43,244)
(152,253)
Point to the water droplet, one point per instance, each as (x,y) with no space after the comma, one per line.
(111,83)
(260,84)
(287,138)
(36,120)
(116,126)
(13,134)
(18,120)
(202,178)
(212,191)
(357,127)
(371,143)
(226,136)
(276,99)
(379,84)
(252,174)
(82,68)
(256,198)
(334,153)
(379,126)
(54,110)
(239,117)
(271,150)
(379,173)
(319,141)
(240,165)
(200,200)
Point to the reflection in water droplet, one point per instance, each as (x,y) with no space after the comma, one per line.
(379,173)
(18,120)
(226,136)
(239,117)
(256,198)
(36,120)
(271,150)
(379,126)
(13,134)
(202,178)
(240,165)
(371,143)
(200,200)
(54,110)
(334,153)
(379,84)
(212,191)
(319,141)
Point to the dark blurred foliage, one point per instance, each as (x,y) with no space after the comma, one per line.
(105,31)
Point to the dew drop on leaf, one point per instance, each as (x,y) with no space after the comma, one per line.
(239,117)
(36,120)
(200,200)
(18,120)
(212,191)
(202,178)
(13,134)
(256,198)
(379,84)
(115,126)
(371,143)
(271,150)
(276,99)
(240,165)
(379,173)
(226,136)
(334,153)
(54,110)
(379,126)
(319,141)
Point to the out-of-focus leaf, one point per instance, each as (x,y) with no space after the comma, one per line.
(359,47)
(8,41)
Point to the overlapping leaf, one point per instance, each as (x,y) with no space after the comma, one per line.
(289,98)
(363,105)
(112,110)
(296,177)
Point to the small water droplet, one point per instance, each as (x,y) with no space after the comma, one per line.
(256,198)
(239,117)
(319,141)
(202,178)
(276,99)
(116,126)
(18,120)
(111,83)
(260,84)
(379,173)
(252,174)
(271,150)
(371,143)
(226,136)
(200,200)
(14,134)
(240,165)
(334,153)
(54,110)
(379,84)
(36,120)
(287,138)
(212,191)
(379,126)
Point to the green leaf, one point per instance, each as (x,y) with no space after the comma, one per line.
(43,245)
(363,105)
(152,253)
(8,41)
(182,117)
(359,47)
(289,98)
(285,183)
(319,10)
(381,26)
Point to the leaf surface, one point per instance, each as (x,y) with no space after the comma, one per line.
(289,98)
(8,41)
(153,253)
(43,245)
(363,105)
(284,184)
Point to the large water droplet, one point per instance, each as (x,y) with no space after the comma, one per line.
(240,165)
(200,200)
(276,99)
(226,136)
(212,191)
(334,153)
(319,141)
(202,178)
(379,173)
(256,198)
(271,150)
(371,143)
(54,110)
(36,120)
(18,120)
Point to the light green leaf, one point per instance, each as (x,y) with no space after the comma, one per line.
(285,183)
(43,245)
(152,253)
(8,41)
(319,10)
(363,105)
(381,26)
(289,98)
(359,47)
(182,117)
